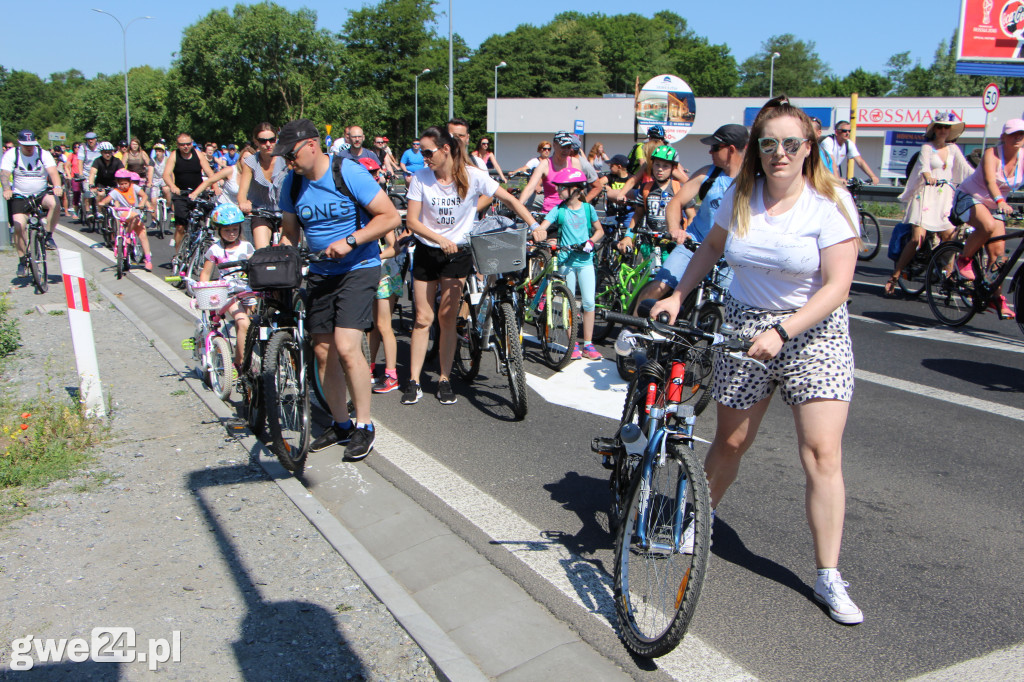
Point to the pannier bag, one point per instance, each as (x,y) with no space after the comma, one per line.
(275,267)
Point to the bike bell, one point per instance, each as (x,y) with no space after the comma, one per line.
(624,344)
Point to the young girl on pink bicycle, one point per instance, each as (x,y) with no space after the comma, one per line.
(228,219)
(129,201)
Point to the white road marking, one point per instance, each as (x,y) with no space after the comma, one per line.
(573,576)
(585,385)
(1005,664)
(939,394)
(968,337)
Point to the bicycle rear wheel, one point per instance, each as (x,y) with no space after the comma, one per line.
(558,339)
(508,332)
(951,296)
(468,350)
(912,279)
(252,380)
(37,261)
(219,367)
(870,237)
(657,587)
(606,296)
(287,398)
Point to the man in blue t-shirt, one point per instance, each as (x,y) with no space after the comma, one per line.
(412,159)
(346,224)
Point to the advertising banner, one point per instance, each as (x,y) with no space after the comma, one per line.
(896,152)
(991,32)
(667,101)
(915,117)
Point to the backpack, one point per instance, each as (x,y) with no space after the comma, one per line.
(900,235)
(339,184)
(705,186)
(633,160)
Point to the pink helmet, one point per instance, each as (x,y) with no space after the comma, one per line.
(123,174)
(135,176)
(569,176)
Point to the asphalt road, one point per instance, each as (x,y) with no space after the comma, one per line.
(933,467)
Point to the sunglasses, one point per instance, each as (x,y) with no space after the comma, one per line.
(427,153)
(717,147)
(484,143)
(545,149)
(843,130)
(290,156)
(790,145)
(266,140)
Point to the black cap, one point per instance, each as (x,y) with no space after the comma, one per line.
(730,133)
(619,160)
(292,133)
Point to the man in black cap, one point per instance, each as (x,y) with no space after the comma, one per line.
(726,147)
(343,212)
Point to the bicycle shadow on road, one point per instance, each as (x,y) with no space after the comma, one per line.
(989,376)
(726,544)
(589,499)
(278,640)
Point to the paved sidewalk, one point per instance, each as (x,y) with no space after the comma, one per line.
(173,528)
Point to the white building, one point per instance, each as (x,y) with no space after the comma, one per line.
(519,124)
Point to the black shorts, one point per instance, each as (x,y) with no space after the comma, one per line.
(19,205)
(429,263)
(344,301)
(182,205)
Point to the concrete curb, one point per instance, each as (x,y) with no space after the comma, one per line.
(450,662)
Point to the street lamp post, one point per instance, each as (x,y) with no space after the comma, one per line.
(124,47)
(451,67)
(416,80)
(495,136)
(771,79)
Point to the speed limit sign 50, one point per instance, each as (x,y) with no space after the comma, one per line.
(990,98)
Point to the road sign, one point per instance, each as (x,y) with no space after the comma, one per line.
(990,98)
(58,137)
(578,127)
(328,126)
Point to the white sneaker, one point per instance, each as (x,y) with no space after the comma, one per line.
(686,545)
(830,590)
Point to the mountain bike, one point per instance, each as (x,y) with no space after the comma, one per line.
(35,241)
(661,504)
(549,305)
(188,261)
(870,235)
(954,299)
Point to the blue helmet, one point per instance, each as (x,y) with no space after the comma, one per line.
(657,131)
(227,214)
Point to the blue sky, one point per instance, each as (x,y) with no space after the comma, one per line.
(857,34)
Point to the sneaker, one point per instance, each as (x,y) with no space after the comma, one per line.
(591,352)
(576,352)
(686,546)
(50,244)
(445,394)
(385,384)
(332,435)
(830,590)
(412,393)
(22,267)
(148,264)
(361,444)
(964,267)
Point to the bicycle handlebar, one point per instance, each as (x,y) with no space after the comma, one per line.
(734,345)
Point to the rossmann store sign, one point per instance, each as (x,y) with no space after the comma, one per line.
(915,117)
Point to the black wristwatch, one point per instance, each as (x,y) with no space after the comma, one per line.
(351,241)
(780,330)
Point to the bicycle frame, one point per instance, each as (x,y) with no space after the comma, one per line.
(988,288)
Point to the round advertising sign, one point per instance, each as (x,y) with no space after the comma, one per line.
(1011,19)
(990,98)
(667,101)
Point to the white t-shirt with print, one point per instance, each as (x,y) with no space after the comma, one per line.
(218,254)
(30,177)
(443,211)
(777,264)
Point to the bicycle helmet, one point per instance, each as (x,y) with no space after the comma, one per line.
(105,147)
(227,214)
(123,174)
(657,131)
(370,164)
(569,176)
(665,153)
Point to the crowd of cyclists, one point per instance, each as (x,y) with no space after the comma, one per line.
(769,201)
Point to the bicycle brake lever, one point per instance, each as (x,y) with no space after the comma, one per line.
(742,357)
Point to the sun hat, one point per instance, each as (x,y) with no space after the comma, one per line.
(945,118)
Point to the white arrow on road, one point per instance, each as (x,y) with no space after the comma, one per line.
(585,385)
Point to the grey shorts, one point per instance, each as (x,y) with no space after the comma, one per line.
(815,364)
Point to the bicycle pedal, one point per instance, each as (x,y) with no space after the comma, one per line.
(607,447)
(188,344)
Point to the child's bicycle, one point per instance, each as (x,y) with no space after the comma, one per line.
(617,290)
(549,305)
(126,246)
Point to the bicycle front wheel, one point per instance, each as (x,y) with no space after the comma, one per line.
(912,279)
(870,237)
(606,296)
(468,349)
(37,261)
(219,367)
(120,256)
(1018,298)
(559,337)
(508,331)
(657,586)
(287,399)
(951,296)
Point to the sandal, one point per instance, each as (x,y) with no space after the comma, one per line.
(890,285)
(1003,310)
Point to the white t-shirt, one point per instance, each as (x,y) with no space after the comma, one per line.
(30,177)
(778,264)
(443,211)
(218,254)
(839,152)
(229,190)
(532,163)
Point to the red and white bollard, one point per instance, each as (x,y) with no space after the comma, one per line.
(81,332)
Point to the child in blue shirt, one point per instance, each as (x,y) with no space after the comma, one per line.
(577,227)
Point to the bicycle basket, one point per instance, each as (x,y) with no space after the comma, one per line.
(210,295)
(497,246)
(275,267)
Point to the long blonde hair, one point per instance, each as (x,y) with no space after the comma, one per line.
(814,171)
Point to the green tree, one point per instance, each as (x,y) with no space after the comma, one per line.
(798,69)
(98,106)
(864,83)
